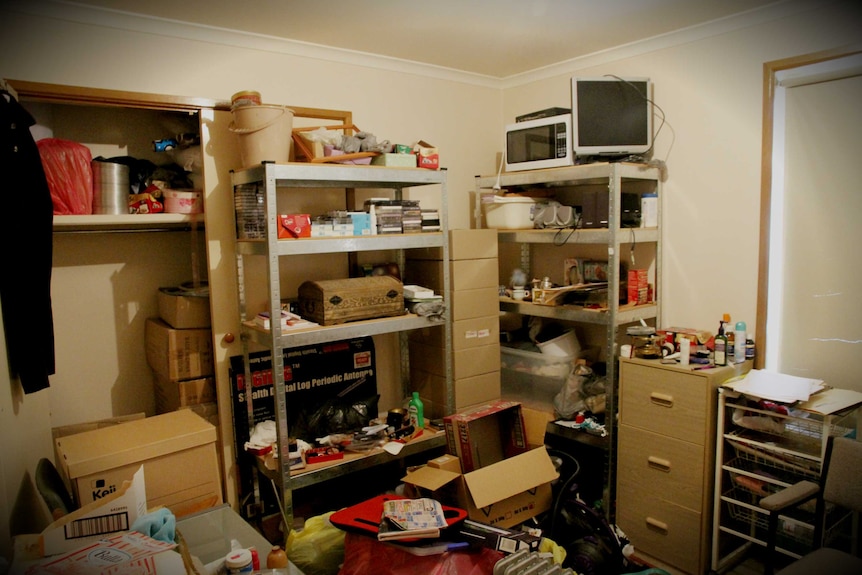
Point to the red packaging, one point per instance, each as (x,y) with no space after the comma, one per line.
(69,173)
(294,226)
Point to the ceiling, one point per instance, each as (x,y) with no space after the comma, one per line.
(493,38)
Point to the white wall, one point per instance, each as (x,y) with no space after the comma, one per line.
(709,87)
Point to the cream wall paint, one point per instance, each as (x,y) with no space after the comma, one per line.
(711,92)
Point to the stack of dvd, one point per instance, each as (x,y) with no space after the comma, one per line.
(250,212)
(386,215)
(430,220)
(411,217)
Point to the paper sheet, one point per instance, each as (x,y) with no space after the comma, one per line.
(778,386)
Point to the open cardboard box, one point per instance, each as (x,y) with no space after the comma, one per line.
(505,483)
(503,494)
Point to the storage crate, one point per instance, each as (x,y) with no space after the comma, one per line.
(531,377)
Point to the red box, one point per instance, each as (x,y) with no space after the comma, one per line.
(321,454)
(294,226)
(638,287)
(487,434)
(428,156)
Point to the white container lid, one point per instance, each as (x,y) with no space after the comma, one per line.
(508,199)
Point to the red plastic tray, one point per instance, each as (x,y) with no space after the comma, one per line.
(365,517)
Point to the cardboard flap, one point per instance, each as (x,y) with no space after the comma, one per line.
(522,473)
(430,477)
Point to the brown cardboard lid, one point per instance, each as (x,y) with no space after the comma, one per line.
(134,441)
(522,473)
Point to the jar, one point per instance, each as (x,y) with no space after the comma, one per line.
(239,561)
(643,342)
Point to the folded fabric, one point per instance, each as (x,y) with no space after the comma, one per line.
(161,525)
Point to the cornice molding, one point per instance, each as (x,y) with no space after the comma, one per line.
(116,19)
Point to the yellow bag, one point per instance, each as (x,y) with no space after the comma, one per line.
(319,548)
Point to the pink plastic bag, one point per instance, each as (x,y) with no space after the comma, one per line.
(69,173)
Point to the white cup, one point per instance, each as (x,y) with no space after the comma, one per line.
(625,350)
(519,293)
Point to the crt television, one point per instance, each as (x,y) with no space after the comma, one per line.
(611,116)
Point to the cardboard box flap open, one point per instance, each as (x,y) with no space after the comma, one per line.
(522,473)
(430,478)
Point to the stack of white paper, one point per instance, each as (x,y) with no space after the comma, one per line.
(778,386)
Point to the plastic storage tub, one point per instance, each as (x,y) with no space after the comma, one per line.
(512,213)
(532,377)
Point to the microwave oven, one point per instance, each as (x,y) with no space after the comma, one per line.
(539,143)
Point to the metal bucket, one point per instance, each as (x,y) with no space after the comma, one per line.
(110,188)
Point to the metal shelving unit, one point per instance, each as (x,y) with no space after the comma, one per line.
(616,178)
(306,176)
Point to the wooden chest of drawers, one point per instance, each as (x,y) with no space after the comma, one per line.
(666,447)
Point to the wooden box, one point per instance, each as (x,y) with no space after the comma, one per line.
(332,302)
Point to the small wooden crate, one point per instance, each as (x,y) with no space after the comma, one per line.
(331,302)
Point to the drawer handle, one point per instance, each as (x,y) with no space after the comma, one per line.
(658,463)
(661,399)
(656,524)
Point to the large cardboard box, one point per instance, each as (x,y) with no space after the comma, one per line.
(463,274)
(486,434)
(181,310)
(172,395)
(472,303)
(466,333)
(177,450)
(469,391)
(178,354)
(465,362)
(503,494)
(463,245)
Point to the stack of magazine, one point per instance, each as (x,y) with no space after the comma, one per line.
(411,519)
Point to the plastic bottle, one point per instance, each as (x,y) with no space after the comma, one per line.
(238,561)
(739,349)
(417,411)
(749,347)
(731,338)
(720,346)
(684,351)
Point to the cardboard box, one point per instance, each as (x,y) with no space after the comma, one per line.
(114,513)
(395,160)
(485,435)
(446,462)
(178,354)
(208,411)
(469,391)
(465,362)
(472,303)
(463,274)
(466,333)
(172,395)
(503,494)
(428,155)
(471,244)
(180,309)
(177,450)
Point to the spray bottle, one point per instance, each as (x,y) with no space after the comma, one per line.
(739,349)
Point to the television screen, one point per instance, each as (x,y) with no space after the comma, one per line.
(611,116)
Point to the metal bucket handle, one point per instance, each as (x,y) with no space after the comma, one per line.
(232,127)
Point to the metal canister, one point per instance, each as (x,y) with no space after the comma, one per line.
(110,188)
